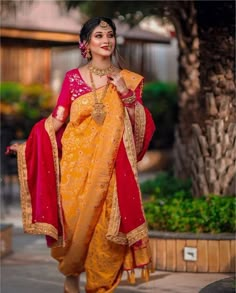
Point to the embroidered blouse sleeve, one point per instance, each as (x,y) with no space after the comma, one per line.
(62,109)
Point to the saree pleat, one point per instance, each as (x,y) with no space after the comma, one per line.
(105,258)
(89,154)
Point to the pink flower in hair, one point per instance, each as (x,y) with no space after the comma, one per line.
(83,48)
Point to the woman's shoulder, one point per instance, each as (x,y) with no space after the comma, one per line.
(72,71)
(131,76)
(74,76)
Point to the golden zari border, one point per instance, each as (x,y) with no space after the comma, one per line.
(140,232)
(51,133)
(137,234)
(129,143)
(113,233)
(28,226)
(130,238)
(140,126)
(128,139)
(114,221)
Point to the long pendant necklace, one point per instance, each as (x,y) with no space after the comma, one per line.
(98,113)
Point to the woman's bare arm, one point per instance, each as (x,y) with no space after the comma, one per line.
(56,124)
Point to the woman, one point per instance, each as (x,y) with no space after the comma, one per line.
(88,203)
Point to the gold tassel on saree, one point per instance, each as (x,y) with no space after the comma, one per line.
(145,273)
(131,276)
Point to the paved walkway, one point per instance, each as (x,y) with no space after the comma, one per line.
(226,285)
(31,269)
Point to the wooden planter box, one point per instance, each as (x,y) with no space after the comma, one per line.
(187,252)
(5,239)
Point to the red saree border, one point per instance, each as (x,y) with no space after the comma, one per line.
(38,171)
(28,225)
(53,139)
(128,228)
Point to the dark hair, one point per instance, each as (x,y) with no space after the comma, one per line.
(88,28)
(91,24)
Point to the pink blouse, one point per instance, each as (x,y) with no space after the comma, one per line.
(72,88)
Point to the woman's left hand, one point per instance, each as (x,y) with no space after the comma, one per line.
(118,81)
(12,149)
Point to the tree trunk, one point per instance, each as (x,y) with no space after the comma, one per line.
(183,16)
(213,148)
(205,147)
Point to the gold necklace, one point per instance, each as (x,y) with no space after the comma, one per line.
(100,72)
(98,113)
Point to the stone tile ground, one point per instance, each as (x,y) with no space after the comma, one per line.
(30,269)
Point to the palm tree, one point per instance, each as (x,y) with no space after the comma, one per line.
(213,143)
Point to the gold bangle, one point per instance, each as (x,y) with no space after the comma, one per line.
(129,100)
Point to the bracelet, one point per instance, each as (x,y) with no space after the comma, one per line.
(130,100)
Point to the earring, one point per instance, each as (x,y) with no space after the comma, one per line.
(88,53)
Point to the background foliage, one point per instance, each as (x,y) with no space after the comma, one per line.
(171,207)
(161,99)
(32,102)
(23,105)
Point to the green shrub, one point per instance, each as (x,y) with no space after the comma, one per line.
(26,103)
(161,99)
(29,100)
(170,207)
(166,185)
(10,91)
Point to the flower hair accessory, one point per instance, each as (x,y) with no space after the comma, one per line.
(83,48)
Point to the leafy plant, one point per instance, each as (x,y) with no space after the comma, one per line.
(166,185)
(23,105)
(26,100)
(161,99)
(10,92)
(170,207)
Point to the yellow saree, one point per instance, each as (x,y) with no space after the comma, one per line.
(89,204)
(88,189)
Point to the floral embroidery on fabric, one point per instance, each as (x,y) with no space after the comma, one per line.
(77,86)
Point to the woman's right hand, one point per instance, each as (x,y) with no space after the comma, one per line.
(12,149)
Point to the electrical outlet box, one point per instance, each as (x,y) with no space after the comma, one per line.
(190,253)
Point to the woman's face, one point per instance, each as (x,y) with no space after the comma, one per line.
(102,41)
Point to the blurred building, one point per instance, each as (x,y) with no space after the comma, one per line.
(40,42)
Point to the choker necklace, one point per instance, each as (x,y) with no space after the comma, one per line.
(98,113)
(100,72)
